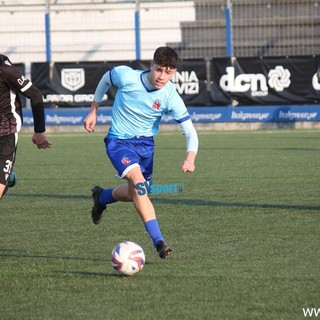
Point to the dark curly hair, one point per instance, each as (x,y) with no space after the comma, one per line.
(166,57)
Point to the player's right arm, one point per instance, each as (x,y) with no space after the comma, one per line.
(91,119)
(103,86)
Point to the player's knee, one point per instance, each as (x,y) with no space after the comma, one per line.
(137,183)
(137,187)
(3,190)
(2,193)
(143,188)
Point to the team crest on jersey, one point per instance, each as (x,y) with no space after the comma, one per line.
(156,105)
(125,160)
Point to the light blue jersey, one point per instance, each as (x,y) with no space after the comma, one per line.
(138,108)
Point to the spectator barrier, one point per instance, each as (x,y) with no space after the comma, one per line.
(218,82)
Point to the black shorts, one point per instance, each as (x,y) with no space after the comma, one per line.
(8,147)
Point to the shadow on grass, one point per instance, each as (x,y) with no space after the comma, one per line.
(11,253)
(215,148)
(200,202)
(87,273)
(187,202)
(48,196)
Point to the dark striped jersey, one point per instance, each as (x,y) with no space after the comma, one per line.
(12,82)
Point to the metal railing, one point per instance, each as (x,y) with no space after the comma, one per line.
(99,30)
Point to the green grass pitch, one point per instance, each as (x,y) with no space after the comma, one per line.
(245,230)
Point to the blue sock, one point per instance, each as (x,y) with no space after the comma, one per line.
(153,229)
(106,197)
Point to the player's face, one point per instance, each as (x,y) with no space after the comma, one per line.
(159,76)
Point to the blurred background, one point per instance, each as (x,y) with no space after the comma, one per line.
(102,30)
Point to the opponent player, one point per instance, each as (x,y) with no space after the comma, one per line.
(141,100)
(13,82)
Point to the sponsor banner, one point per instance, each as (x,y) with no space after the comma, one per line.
(266,81)
(76,116)
(68,84)
(298,113)
(74,84)
(218,69)
(191,82)
(274,114)
(221,82)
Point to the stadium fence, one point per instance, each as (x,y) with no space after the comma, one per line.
(104,30)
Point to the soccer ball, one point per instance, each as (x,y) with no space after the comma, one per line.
(128,258)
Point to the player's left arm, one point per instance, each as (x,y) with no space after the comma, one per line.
(180,113)
(20,83)
(37,106)
(192,141)
(39,137)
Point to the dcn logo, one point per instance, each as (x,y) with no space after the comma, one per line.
(279,78)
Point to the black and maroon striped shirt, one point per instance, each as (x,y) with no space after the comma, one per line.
(12,82)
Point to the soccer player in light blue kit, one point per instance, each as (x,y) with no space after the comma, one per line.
(142,98)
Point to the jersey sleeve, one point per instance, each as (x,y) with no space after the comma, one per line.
(119,75)
(190,133)
(113,77)
(179,112)
(34,94)
(103,86)
(20,83)
(15,79)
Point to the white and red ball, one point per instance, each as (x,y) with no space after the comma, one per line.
(128,258)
